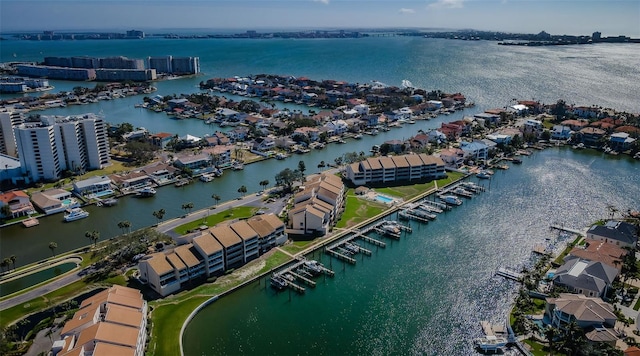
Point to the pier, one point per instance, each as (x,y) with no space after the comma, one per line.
(509,274)
(414,215)
(441,206)
(566,229)
(341,256)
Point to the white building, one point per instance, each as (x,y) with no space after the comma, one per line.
(9,120)
(76,143)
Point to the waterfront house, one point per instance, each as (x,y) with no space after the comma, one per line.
(591,136)
(575,125)
(593,315)
(316,206)
(338,127)
(220,155)
(53,201)
(131,181)
(532,126)
(590,278)
(18,203)
(112,322)
(599,251)
(263,144)
(475,150)
(193,162)
(452,157)
(585,111)
(620,141)
(312,133)
(161,173)
(561,132)
(619,233)
(487,118)
(99,185)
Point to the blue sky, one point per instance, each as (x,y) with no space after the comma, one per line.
(611,17)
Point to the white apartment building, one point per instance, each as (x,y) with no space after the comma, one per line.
(76,143)
(9,120)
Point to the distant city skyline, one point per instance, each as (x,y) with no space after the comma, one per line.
(570,17)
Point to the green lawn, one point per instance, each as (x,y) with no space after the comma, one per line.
(536,348)
(241,212)
(297,246)
(358,210)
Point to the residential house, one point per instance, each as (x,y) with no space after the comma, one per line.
(534,127)
(220,155)
(161,139)
(452,157)
(193,162)
(590,278)
(619,233)
(591,136)
(475,150)
(161,173)
(593,315)
(599,251)
(98,185)
(339,127)
(18,203)
(620,141)
(53,201)
(131,181)
(560,132)
(312,133)
(575,125)
(263,144)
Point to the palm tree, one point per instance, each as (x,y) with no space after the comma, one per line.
(242,190)
(187,206)
(53,246)
(216,197)
(264,183)
(125,225)
(5,263)
(550,333)
(93,236)
(13,259)
(159,214)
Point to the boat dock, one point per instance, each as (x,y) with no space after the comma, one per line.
(303,270)
(435,204)
(566,229)
(30,222)
(408,214)
(541,249)
(509,274)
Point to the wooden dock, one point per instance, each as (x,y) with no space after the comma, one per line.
(372,241)
(509,274)
(306,280)
(567,229)
(30,222)
(340,256)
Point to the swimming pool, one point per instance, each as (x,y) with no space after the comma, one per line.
(67,202)
(103,193)
(384,199)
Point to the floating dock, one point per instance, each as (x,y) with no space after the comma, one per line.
(30,222)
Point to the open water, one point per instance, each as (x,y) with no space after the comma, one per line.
(425,293)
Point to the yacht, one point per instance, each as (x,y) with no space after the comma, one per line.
(517,160)
(237,166)
(146,192)
(483,175)
(451,200)
(207,177)
(75,214)
(357,136)
(313,266)
(490,343)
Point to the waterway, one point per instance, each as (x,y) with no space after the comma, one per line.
(32,279)
(426,293)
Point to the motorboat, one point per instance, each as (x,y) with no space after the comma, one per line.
(278,282)
(75,214)
(207,177)
(517,160)
(146,192)
(483,175)
(490,343)
(451,200)
(313,266)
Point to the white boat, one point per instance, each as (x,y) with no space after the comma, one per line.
(146,192)
(483,175)
(490,343)
(75,214)
(207,177)
(451,200)
(238,166)
(357,136)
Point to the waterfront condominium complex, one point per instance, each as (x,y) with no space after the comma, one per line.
(9,120)
(387,169)
(112,322)
(76,143)
(174,65)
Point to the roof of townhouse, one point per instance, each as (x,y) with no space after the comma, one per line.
(261,227)
(365,164)
(332,179)
(225,235)
(321,204)
(111,333)
(374,162)
(106,349)
(175,261)
(414,160)
(80,318)
(115,297)
(314,211)
(244,230)
(207,243)
(158,262)
(387,162)
(188,254)
(400,161)
(123,316)
(77,351)
(355,167)
(273,220)
(330,187)
(430,159)
(330,194)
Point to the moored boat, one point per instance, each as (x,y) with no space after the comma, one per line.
(451,200)
(146,192)
(278,282)
(483,175)
(75,214)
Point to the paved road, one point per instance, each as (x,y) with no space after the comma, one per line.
(40,291)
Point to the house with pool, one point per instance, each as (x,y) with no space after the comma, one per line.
(53,201)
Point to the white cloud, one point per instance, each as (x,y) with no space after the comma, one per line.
(326,2)
(407,11)
(447,4)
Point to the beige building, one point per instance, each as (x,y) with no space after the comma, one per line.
(317,206)
(388,169)
(112,322)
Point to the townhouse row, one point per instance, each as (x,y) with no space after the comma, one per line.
(386,169)
(211,252)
